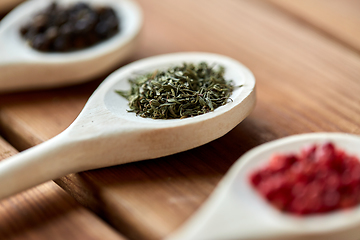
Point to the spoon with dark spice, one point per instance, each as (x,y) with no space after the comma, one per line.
(48,44)
(106,134)
(236,210)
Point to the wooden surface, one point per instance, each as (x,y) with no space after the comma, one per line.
(308,80)
(48,212)
(338,19)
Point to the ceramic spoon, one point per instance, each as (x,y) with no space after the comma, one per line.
(6,5)
(22,67)
(236,211)
(105,134)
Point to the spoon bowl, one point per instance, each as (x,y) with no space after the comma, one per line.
(22,67)
(236,211)
(105,134)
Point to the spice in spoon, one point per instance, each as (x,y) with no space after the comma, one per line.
(67,28)
(179,92)
(320,179)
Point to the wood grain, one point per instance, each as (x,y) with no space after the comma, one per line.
(339,19)
(48,212)
(306,82)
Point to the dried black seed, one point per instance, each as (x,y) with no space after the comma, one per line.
(39,42)
(51,33)
(101,29)
(66,29)
(61,43)
(24,30)
(39,22)
(80,6)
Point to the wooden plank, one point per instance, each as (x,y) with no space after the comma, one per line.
(339,19)
(306,82)
(48,212)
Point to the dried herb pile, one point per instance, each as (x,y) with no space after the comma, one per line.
(178,92)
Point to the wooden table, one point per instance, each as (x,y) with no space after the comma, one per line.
(305,57)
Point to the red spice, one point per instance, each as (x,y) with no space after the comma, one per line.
(319,179)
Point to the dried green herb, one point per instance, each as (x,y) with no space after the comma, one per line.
(178,92)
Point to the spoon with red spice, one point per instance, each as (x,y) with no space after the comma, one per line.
(25,65)
(253,200)
(106,134)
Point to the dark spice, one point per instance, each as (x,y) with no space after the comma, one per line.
(178,92)
(318,180)
(61,29)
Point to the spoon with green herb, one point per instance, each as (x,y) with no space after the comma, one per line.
(106,133)
(178,92)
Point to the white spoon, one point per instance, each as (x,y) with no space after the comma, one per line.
(236,211)
(22,67)
(6,5)
(105,134)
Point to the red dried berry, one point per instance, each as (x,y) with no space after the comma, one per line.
(308,153)
(281,162)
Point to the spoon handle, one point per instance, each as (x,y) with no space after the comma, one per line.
(46,161)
